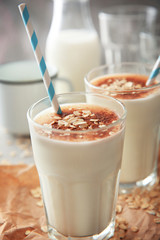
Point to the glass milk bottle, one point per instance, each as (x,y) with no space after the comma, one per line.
(72,44)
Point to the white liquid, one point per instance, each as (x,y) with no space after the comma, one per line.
(141,138)
(141,142)
(79,181)
(74,53)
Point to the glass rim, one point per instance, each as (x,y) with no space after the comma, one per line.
(60,131)
(119,91)
(135,10)
(32,80)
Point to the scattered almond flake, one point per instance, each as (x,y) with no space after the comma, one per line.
(50,125)
(70,116)
(122,197)
(109,80)
(121,220)
(101,126)
(151,212)
(44,229)
(145,205)
(76,113)
(151,207)
(94,120)
(19,141)
(133,206)
(83,125)
(87,112)
(113,121)
(13,154)
(123,226)
(158,214)
(119,208)
(79,122)
(27,232)
(72,119)
(138,86)
(134,229)
(128,85)
(5,161)
(62,122)
(9,142)
(23,146)
(157,220)
(85,115)
(26,153)
(36,192)
(72,126)
(39,203)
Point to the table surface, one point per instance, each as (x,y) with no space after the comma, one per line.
(14,149)
(138,214)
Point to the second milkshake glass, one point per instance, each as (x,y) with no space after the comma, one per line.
(139,162)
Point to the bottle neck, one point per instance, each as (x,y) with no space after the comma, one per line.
(72,14)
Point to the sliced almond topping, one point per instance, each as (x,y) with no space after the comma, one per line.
(119,208)
(134,229)
(44,229)
(123,226)
(39,203)
(157,220)
(27,232)
(151,212)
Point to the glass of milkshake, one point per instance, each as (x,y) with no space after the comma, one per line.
(78,157)
(127,82)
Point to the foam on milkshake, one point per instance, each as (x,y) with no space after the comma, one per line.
(79,117)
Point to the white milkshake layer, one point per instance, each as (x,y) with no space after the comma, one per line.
(141,142)
(79,181)
(74,53)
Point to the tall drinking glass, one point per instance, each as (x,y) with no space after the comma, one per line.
(120,27)
(77,163)
(126,82)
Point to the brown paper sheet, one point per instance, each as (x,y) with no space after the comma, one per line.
(21,217)
(18,209)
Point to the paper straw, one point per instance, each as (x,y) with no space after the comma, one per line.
(40,60)
(154,73)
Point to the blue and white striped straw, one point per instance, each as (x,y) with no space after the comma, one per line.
(154,73)
(40,60)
